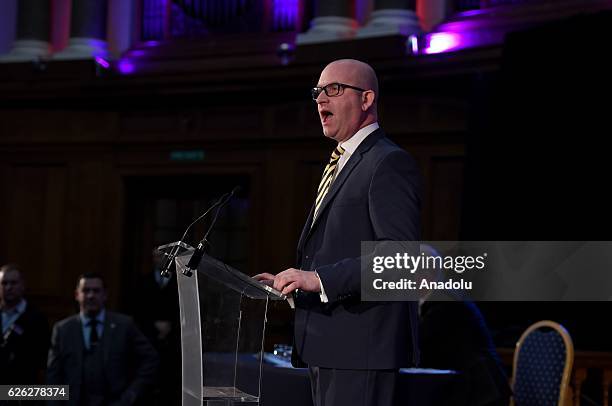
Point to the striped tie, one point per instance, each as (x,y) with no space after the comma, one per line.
(328,177)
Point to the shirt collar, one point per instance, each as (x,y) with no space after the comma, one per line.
(18,309)
(352,143)
(161,280)
(100,317)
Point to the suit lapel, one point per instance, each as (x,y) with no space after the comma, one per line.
(306,229)
(350,165)
(337,184)
(107,335)
(76,338)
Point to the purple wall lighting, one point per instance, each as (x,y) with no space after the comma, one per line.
(137,52)
(442,42)
(456,39)
(126,67)
(154,19)
(468,29)
(285,14)
(102,62)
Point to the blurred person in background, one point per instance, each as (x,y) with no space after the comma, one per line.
(102,355)
(25,332)
(156,311)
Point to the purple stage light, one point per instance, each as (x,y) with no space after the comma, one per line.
(413,44)
(471,13)
(126,67)
(285,14)
(102,62)
(442,42)
(137,52)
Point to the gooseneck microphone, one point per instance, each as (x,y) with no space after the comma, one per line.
(170,258)
(195,259)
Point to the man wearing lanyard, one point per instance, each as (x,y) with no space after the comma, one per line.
(25,332)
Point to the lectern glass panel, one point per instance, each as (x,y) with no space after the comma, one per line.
(223,316)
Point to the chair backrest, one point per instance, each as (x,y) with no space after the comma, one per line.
(542,365)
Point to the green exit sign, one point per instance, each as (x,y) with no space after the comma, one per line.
(187,155)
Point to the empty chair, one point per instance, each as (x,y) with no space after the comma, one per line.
(542,366)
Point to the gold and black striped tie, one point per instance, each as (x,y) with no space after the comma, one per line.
(328,177)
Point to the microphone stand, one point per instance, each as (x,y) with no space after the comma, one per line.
(196,257)
(175,250)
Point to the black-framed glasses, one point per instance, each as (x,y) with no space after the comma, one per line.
(332,89)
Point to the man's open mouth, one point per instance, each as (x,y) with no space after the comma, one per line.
(325,115)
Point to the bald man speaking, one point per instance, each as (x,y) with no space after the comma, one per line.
(369,191)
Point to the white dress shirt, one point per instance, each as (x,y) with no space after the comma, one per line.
(9,317)
(350,146)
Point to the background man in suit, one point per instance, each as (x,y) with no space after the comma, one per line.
(102,355)
(370,191)
(25,332)
(443,314)
(470,351)
(156,312)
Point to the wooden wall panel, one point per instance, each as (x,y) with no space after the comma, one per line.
(413,114)
(36,221)
(94,223)
(60,220)
(445,189)
(24,126)
(35,226)
(5,191)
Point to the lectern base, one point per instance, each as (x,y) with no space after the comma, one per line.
(227,393)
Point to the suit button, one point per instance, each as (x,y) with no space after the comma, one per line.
(307,257)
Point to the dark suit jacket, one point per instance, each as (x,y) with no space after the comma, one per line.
(454,336)
(376,197)
(130,361)
(156,303)
(24,350)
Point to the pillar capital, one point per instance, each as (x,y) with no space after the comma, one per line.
(391,17)
(334,21)
(33,29)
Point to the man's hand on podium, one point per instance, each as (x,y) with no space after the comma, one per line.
(290,280)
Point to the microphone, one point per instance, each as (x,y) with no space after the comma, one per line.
(170,258)
(196,258)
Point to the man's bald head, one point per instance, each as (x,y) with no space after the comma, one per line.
(353,104)
(359,73)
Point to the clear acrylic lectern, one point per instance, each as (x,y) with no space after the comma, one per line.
(223,320)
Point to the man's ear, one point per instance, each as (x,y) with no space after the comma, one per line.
(367,99)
